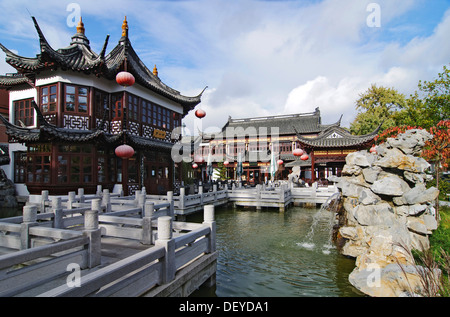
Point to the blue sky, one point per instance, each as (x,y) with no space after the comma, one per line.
(258,58)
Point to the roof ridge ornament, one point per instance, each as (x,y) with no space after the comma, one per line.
(80,26)
(125,27)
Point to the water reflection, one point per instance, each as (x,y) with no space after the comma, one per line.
(270,254)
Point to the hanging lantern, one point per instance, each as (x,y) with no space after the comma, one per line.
(125,79)
(200,113)
(297,152)
(373,149)
(194,166)
(226,163)
(124,151)
(304,157)
(280,162)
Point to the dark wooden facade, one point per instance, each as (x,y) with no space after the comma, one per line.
(75,115)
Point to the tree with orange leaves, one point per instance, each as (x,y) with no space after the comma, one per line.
(437,150)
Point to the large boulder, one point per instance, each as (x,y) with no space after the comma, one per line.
(393,280)
(387,212)
(391,185)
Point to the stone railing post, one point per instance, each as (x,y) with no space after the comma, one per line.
(215,191)
(147,231)
(182,198)
(44,199)
(314,190)
(141,198)
(58,221)
(70,200)
(258,197)
(209,220)
(106,200)
(99,190)
(93,232)
(171,202)
(29,220)
(200,192)
(137,193)
(81,195)
(165,240)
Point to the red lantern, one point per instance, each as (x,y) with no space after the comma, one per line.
(297,152)
(124,151)
(226,163)
(194,166)
(304,157)
(125,79)
(200,113)
(280,162)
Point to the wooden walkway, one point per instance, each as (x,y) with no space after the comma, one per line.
(104,246)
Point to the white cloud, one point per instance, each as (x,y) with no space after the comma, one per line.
(332,100)
(257,57)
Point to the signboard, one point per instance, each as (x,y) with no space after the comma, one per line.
(159,134)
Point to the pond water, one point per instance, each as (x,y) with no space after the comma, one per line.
(271,254)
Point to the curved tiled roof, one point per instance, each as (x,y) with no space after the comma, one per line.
(78,56)
(287,124)
(336,137)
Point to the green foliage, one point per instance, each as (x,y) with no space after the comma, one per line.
(377,105)
(444,188)
(222,169)
(428,106)
(425,108)
(440,239)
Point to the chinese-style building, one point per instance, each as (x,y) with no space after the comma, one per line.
(67,115)
(259,139)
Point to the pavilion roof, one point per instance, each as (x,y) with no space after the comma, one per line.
(79,56)
(336,137)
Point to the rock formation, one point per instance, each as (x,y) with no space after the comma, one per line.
(386,212)
(7,192)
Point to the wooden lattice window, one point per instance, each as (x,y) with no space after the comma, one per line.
(75,164)
(49,98)
(146,112)
(133,108)
(76,99)
(20,164)
(23,112)
(38,163)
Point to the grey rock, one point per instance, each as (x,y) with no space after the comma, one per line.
(374,215)
(360,158)
(367,197)
(371,173)
(420,195)
(411,141)
(390,185)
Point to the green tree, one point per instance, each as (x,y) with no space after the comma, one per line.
(222,169)
(375,106)
(428,106)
